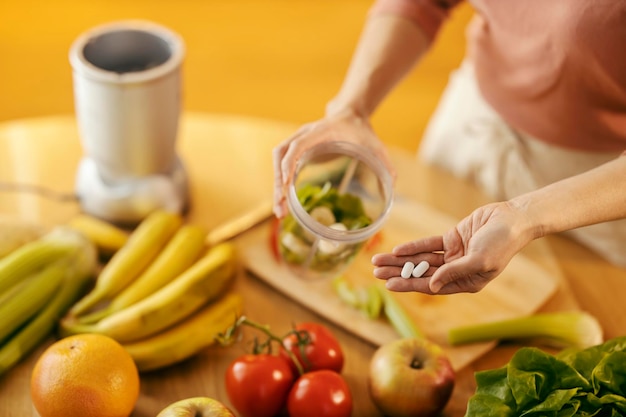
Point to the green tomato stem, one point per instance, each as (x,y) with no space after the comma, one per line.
(271,337)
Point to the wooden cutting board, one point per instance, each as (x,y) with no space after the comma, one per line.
(520,290)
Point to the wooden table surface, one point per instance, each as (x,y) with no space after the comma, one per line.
(228,159)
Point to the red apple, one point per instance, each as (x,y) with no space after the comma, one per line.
(410,377)
(196,407)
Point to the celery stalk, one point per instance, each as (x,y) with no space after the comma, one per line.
(575,328)
(374,304)
(398,317)
(374,300)
(345,292)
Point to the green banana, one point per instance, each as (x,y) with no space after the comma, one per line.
(179,254)
(142,246)
(31,295)
(34,255)
(203,282)
(14,291)
(188,337)
(78,270)
(25,298)
(14,234)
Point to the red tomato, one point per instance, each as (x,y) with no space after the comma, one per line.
(320,393)
(374,242)
(273,239)
(258,385)
(323,351)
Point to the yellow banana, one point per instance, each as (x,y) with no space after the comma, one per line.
(107,237)
(204,281)
(143,245)
(188,337)
(179,254)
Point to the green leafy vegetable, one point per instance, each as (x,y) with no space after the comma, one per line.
(587,382)
(296,244)
(347,208)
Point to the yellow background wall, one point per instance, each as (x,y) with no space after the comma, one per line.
(280,59)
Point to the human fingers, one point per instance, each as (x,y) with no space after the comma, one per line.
(465,274)
(279,206)
(428,249)
(387,272)
(397,262)
(398,284)
(284,170)
(428,244)
(469,283)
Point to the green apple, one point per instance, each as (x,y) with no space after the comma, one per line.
(410,377)
(196,407)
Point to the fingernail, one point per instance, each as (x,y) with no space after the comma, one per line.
(434,286)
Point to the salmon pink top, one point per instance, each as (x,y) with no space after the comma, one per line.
(553,69)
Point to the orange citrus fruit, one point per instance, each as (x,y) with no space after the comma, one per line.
(86,375)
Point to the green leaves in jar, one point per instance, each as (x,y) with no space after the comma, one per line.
(347,208)
(342,211)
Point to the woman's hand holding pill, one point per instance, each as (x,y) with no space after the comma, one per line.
(464,259)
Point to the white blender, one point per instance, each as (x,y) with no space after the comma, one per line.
(127,91)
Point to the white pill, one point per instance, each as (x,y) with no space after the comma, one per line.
(407,269)
(420,269)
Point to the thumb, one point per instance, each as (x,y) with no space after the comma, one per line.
(456,275)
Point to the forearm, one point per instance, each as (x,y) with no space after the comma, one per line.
(388,48)
(592,197)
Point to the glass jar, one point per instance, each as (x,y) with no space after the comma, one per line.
(340,196)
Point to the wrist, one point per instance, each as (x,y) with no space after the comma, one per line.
(347,113)
(341,108)
(531,226)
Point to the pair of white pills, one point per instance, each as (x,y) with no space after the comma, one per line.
(411,270)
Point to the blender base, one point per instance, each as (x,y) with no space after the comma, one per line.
(129,202)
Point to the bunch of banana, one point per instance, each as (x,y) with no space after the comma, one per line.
(107,237)
(164,294)
(39,281)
